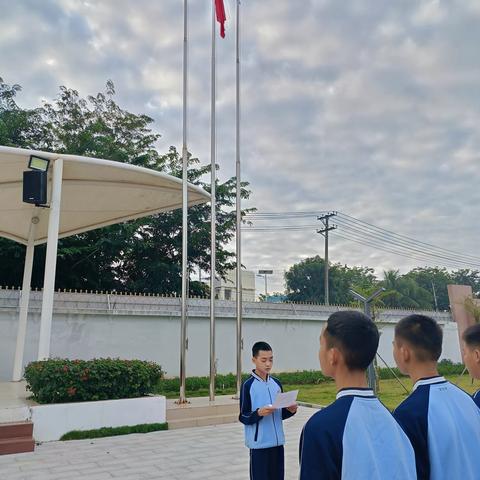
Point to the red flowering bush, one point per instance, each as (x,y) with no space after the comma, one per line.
(60,380)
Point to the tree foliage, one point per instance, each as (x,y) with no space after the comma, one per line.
(403,291)
(305,281)
(140,255)
(413,290)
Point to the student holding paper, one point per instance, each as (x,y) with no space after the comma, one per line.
(263,422)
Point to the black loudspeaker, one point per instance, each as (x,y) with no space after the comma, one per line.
(35,187)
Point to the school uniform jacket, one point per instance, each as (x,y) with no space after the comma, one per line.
(476,397)
(355,438)
(443,424)
(261,432)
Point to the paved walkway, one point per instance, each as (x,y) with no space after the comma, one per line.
(211,453)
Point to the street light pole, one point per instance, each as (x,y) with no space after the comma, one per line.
(434,296)
(265,273)
(371,375)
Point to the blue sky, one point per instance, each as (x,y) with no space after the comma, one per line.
(367,107)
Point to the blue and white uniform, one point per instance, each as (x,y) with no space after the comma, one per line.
(476,398)
(263,435)
(354,438)
(443,424)
(261,432)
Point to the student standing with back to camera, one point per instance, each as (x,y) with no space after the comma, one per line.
(356,437)
(263,424)
(441,420)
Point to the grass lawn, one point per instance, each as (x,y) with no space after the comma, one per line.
(391,392)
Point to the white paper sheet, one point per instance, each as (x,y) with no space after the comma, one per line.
(286,399)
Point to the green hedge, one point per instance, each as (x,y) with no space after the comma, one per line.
(229,381)
(386,373)
(306,377)
(60,380)
(445,367)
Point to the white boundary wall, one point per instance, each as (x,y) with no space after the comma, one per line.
(99,325)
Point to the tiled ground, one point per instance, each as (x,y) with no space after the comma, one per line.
(211,453)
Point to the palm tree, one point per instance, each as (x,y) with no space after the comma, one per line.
(404,292)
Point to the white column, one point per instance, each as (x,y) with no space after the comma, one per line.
(24,299)
(50,262)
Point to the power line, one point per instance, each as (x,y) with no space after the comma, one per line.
(285,214)
(279,227)
(404,245)
(396,252)
(367,234)
(356,220)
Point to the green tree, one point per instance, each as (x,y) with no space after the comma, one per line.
(360,279)
(305,281)
(140,255)
(467,277)
(19,127)
(433,279)
(404,292)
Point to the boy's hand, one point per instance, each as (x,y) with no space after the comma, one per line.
(264,411)
(292,408)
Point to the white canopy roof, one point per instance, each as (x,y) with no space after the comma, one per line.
(95,193)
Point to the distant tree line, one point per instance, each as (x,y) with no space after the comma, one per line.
(420,288)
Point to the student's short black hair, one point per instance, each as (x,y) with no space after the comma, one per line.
(471,336)
(355,335)
(260,346)
(423,334)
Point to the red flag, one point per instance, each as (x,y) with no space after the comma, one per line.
(221,17)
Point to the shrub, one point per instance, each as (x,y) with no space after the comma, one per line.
(447,367)
(193,384)
(114,431)
(61,380)
(386,373)
(229,381)
(305,377)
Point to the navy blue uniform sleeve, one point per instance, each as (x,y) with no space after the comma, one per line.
(412,415)
(476,398)
(320,451)
(285,413)
(247,416)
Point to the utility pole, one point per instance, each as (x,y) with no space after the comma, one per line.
(325,220)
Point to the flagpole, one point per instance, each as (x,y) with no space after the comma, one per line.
(183,326)
(238,208)
(213,213)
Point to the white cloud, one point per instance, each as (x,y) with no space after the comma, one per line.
(429,12)
(373,112)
